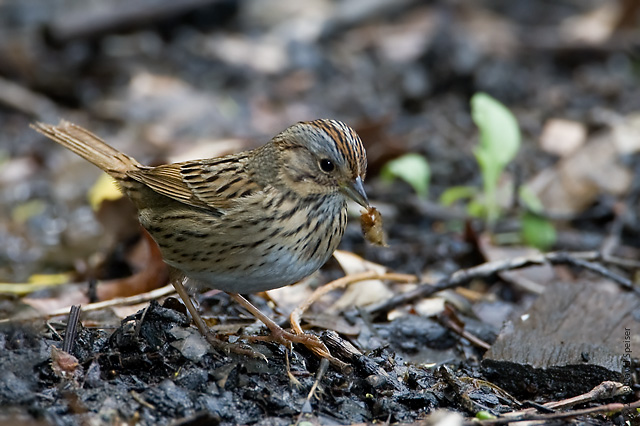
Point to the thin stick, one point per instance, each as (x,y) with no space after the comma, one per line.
(324,365)
(340,283)
(584,260)
(71,331)
(120,301)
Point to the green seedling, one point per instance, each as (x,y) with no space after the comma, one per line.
(411,168)
(499,143)
(536,230)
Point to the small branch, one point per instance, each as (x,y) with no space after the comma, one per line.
(584,260)
(555,416)
(296,315)
(448,319)
(604,390)
(345,350)
(121,301)
(324,366)
(72,329)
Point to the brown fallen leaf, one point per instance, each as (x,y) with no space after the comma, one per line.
(533,279)
(362,293)
(63,364)
(154,275)
(579,179)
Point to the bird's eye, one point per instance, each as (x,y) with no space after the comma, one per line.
(326,165)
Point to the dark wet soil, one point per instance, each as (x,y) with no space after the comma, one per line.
(158,81)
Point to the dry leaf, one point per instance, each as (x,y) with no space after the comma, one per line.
(595,26)
(626,134)
(289,297)
(361,293)
(532,279)
(577,181)
(73,294)
(63,364)
(154,275)
(562,137)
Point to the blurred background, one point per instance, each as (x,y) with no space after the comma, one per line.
(167,81)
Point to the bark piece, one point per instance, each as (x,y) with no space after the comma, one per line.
(571,339)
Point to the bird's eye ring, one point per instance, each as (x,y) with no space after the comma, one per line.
(326,165)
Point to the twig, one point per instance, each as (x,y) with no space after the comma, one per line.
(340,283)
(621,262)
(604,390)
(125,301)
(324,366)
(141,321)
(139,398)
(346,350)
(447,319)
(53,331)
(71,330)
(584,260)
(555,416)
(120,301)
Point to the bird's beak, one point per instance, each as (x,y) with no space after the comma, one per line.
(355,191)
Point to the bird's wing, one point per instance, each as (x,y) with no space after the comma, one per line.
(213,184)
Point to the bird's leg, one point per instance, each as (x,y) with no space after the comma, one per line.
(204,330)
(277,333)
(197,319)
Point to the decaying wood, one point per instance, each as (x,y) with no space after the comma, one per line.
(570,340)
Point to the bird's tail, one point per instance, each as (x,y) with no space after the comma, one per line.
(90,147)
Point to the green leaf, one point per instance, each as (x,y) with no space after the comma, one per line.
(456,193)
(530,200)
(499,131)
(484,415)
(411,168)
(537,231)
(499,144)
(477,209)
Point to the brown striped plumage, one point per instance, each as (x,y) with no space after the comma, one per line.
(246,222)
